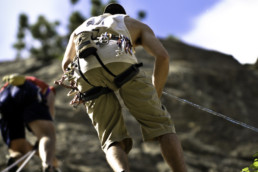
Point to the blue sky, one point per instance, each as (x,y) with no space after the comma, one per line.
(228,26)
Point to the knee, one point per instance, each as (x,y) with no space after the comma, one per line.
(43,128)
(48,138)
(117,145)
(20,145)
(167,137)
(125,145)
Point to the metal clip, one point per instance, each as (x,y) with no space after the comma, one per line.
(124,45)
(104,38)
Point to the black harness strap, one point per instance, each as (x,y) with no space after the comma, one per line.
(94,93)
(119,80)
(102,64)
(93,51)
(82,75)
(127,75)
(84,44)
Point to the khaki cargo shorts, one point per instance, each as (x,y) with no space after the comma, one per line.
(139,96)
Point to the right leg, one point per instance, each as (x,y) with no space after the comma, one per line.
(117,157)
(45,132)
(106,115)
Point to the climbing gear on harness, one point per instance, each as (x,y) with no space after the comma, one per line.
(85,49)
(84,41)
(87,44)
(124,45)
(68,76)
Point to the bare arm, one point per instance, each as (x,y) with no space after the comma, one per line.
(143,35)
(70,53)
(161,67)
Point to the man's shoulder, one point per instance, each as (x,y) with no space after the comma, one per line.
(134,21)
(134,24)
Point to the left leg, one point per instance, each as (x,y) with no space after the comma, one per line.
(143,102)
(172,152)
(19,147)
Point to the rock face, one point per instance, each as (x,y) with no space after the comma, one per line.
(211,144)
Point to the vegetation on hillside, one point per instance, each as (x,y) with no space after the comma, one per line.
(42,40)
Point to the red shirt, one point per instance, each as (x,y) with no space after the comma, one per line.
(42,85)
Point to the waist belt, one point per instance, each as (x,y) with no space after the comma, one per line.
(94,93)
(127,75)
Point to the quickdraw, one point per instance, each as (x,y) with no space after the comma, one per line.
(70,78)
(124,45)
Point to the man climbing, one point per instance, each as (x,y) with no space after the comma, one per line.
(99,60)
(23,102)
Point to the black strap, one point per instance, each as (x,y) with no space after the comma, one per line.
(82,75)
(127,75)
(102,64)
(93,51)
(83,44)
(94,93)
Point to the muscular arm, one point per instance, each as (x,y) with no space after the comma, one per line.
(143,35)
(69,53)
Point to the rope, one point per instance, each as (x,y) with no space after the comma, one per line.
(213,112)
(27,156)
(27,160)
(18,161)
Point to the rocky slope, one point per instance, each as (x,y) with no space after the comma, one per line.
(211,144)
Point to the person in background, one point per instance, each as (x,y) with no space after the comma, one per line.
(27,102)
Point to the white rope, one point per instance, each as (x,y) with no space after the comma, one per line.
(213,112)
(18,161)
(26,161)
(27,156)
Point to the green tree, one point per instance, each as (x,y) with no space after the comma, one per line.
(96,7)
(141,15)
(46,34)
(74,1)
(49,43)
(75,20)
(20,44)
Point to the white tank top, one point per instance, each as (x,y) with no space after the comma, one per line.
(106,23)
